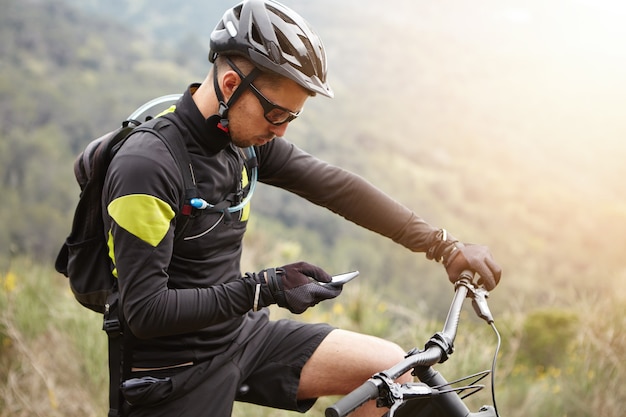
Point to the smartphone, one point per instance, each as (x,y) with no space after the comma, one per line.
(339,280)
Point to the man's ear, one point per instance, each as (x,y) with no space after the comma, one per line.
(230,82)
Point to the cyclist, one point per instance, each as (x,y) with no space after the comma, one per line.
(199,328)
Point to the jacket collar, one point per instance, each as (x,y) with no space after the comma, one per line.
(205,135)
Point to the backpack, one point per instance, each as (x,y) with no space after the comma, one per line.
(84,256)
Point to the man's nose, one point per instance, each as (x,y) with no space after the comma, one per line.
(280,129)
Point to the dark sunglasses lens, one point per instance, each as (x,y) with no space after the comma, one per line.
(274,113)
(278,116)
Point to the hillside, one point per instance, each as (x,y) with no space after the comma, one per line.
(484,119)
(490,117)
(499,120)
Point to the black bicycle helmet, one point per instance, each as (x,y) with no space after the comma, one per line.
(274,38)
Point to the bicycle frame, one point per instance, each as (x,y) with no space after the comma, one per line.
(433,396)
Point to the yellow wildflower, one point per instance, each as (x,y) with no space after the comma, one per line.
(8,284)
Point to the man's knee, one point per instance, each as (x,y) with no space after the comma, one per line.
(370,354)
(394,354)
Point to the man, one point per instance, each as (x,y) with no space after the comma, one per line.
(200,331)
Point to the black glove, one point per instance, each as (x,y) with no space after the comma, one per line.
(457,257)
(294,286)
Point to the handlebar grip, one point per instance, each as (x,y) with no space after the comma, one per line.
(349,403)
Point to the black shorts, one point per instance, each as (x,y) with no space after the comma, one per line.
(264,370)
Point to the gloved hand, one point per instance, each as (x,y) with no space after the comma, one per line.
(457,257)
(476,258)
(294,286)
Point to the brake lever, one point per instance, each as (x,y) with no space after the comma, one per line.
(478,294)
(406,392)
(479,302)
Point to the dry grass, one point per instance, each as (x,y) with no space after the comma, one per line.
(42,370)
(53,353)
(42,377)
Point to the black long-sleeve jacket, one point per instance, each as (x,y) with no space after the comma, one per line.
(184,301)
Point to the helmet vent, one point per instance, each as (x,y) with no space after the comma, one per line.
(255,36)
(284,17)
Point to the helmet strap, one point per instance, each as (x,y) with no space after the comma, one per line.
(225,106)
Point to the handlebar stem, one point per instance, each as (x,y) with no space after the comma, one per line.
(449,402)
(443,342)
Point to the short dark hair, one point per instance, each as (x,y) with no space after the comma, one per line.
(266,78)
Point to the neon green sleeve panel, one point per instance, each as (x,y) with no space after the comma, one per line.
(112,252)
(144,216)
(245,212)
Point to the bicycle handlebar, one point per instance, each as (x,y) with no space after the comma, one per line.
(366,392)
(437,350)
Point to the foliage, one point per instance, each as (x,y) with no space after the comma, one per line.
(55,62)
(584,381)
(547,337)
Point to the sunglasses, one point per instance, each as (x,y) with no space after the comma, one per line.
(275,114)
